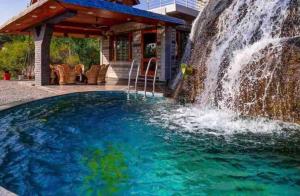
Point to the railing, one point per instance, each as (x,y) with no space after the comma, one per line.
(154,79)
(193,4)
(146,77)
(136,77)
(129,77)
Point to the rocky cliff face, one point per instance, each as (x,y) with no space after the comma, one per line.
(276,95)
(246,58)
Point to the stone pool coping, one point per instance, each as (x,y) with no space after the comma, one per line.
(50,91)
(4,192)
(56,91)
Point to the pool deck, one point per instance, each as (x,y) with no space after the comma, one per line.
(14,93)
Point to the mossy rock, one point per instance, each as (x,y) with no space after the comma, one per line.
(186,70)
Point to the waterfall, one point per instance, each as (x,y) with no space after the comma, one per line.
(241,49)
(239,40)
(192,36)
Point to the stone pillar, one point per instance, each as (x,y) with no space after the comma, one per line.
(42,39)
(169,52)
(100,50)
(162,53)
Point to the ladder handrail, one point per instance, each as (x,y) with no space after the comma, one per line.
(154,79)
(137,77)
(129,77)
(146,75)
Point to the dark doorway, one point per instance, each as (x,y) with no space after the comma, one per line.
(149,50)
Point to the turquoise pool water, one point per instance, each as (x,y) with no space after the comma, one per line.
(104,144)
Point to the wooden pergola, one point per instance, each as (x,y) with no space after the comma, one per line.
(74,18)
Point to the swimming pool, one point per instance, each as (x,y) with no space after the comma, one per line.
(102,143)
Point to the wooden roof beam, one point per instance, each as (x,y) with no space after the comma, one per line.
(56,19)
(82,26)
(77,31)
(62,17)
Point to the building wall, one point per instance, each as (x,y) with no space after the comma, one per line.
(174,61)
(120,69)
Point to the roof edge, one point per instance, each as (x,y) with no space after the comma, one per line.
(23,13)
(124,10)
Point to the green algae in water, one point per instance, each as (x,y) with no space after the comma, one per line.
(107,171)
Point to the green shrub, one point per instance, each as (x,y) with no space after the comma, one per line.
(14,56)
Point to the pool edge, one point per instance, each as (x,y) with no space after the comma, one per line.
(12,105)
(5,192)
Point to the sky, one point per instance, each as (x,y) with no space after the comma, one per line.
(10,8)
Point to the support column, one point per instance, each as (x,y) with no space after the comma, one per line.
(100,50)
(168,53)
(162,35)
(42,39)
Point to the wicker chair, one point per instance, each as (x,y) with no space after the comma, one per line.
(93,74)
(79,69)
(54,74)
(61,74)
(71,79)
(102,73)
(67,75)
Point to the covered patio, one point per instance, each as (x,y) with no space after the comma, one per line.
(85,19)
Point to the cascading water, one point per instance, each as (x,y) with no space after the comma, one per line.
(245,54)
(239,41)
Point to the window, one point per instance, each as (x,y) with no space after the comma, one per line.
(120,47)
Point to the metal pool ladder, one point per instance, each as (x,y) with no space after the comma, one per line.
(136,78)
(146,77)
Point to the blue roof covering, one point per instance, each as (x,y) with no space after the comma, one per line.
(100,4)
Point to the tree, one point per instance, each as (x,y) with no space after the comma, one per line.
(74,51)
(4,39)
(15,55)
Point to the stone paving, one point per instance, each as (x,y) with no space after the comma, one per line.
(13,92)
(16,92)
